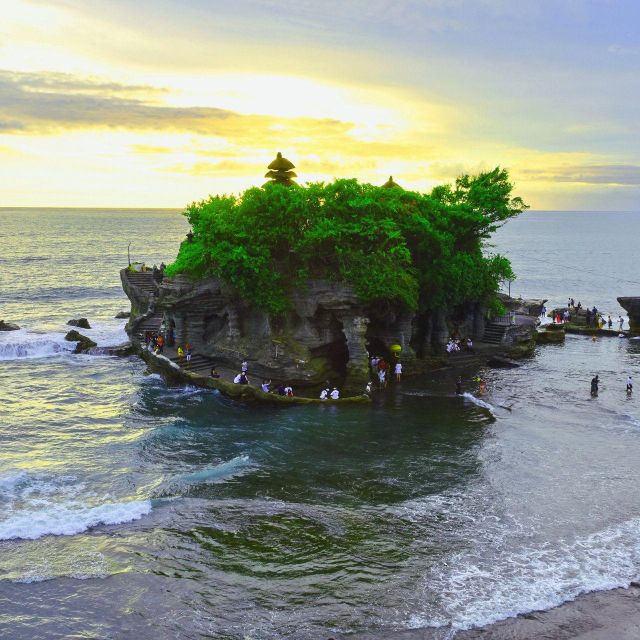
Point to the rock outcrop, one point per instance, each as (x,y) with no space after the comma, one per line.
(83,323)
(121,315)
(632,306)
(326,334)
(8,326)
(83,342)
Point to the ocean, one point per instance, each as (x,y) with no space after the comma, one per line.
(133,509)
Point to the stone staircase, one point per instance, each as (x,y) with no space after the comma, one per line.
(199,363)
(494,333)
(142,280)
(152,323)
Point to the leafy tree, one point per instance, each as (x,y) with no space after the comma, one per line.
(422,251)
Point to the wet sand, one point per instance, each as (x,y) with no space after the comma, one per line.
(601,615)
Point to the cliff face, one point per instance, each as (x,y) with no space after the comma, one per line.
(632,306)
(326,333)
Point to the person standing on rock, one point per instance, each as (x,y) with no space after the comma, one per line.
(609,322)
(335,394)
(188,350)
(620,322)
(629,385)
(398,371)
(180,352)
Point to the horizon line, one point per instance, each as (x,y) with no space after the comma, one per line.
(134,208)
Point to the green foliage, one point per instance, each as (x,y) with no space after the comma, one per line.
(423,251)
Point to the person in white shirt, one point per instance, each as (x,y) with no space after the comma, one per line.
(398,371)
(335,394)
(324,394)
(265,386)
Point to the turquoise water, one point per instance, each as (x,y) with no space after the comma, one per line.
(128,508)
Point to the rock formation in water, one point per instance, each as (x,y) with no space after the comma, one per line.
(327,333)
(632,306)
(83,323)
(5,325)
(83,342)
(304,283)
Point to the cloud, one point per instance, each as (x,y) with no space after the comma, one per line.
(50,104)
(602,174)
(624,50)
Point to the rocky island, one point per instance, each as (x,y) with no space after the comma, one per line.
(305,283)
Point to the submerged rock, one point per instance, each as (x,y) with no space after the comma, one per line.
(8,326)
(83,323)
(84,343)
(120,350)
(551,334)
(122,315)
(500,362)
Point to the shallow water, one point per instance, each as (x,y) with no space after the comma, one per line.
(129,508)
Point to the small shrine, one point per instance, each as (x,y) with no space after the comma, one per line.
(280,171)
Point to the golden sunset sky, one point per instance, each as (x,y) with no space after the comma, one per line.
(155,104)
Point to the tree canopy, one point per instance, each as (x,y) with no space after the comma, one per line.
(422,251)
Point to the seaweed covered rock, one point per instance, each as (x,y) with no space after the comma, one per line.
(83,323)
(84,343)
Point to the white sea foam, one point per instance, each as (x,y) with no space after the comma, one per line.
(25,343)
(480,403)
(39,504)
(15,345)
(69,519)
(476,589)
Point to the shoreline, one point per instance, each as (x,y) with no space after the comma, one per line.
(613,614)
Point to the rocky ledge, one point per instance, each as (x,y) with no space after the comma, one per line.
(326,334)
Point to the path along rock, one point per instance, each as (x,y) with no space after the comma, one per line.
(83,323)
(8,326)
(84,343)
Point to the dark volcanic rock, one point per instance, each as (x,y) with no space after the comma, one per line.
(8,326)
(83,323)
(84,343)
(120,350)
(632,306)
(122,315)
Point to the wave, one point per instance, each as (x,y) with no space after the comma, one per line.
(212,474)
(39,504)
(70,519)
(16,345)
(21,344)
(476,592)
(480,403)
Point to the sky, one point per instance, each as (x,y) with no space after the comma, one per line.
(140,103)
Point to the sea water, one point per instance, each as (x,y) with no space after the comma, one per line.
(133,509)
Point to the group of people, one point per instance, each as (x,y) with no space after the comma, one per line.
(378,368)
(595,382)
(455,345)
(593,317)
(334,394)
(243,378)
(154,342)
(183,353)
